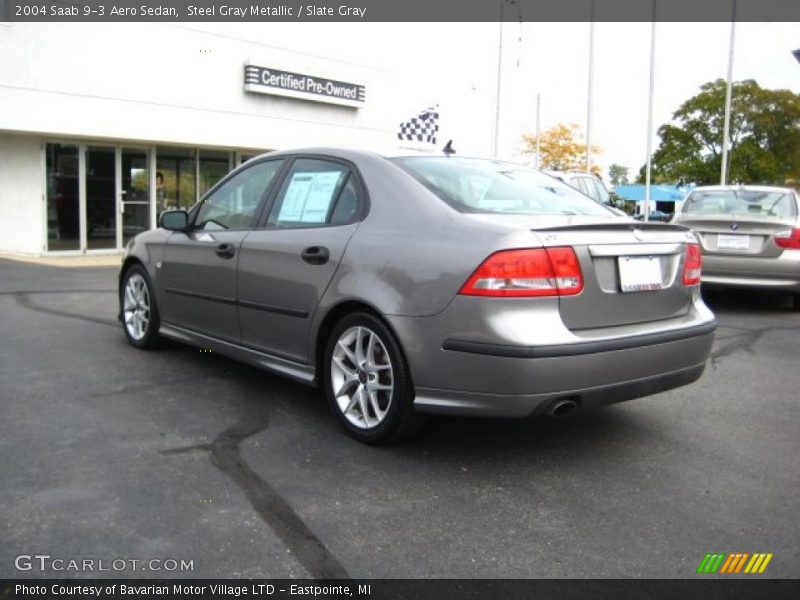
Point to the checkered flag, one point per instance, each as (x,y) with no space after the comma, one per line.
(421,128)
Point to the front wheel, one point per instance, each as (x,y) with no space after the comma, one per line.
(367,381)
(139,311)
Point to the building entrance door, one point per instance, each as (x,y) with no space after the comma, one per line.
(134,193)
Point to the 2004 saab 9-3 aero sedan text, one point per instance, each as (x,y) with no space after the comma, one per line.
(422,284)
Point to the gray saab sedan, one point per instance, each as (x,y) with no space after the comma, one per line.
(750,236)
(405,285)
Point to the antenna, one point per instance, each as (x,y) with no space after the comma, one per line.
(448,148)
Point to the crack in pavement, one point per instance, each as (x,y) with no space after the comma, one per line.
(76,291)
(274,510)
(740,341)
(226,456)
(744,340)
(23,300)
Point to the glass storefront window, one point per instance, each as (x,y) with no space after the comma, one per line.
(101,214)
(213,166)
(63,204)
(115,211)
(175,178)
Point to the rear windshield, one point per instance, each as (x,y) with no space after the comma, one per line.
(477,185)
(741,202)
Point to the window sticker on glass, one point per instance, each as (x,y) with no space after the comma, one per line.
(295,198)
(308,197)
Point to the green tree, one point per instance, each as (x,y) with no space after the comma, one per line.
(618,174)
(560,149)
(764,142)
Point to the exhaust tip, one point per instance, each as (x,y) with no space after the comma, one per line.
(564,408)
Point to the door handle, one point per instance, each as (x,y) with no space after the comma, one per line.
(225,250)
(316,255)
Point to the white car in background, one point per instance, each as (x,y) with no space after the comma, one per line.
(588,184)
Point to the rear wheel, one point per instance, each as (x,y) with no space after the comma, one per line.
(367,381)
(139,311)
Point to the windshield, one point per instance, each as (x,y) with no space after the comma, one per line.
(741,202)
(484,186)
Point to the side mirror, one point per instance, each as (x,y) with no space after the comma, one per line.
(174,220)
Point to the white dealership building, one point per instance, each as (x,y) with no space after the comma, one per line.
(102,126)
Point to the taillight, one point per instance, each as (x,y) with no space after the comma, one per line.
(788,239)
(529,272)
(692,265)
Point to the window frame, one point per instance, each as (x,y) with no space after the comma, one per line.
(265,196)
(352,170)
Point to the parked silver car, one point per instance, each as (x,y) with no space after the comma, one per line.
(422,284)
(750,236)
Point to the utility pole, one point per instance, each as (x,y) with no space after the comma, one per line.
(723,176)
(589,92)
(538,129)
(648,168)
(499,86)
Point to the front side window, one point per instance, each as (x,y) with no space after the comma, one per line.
(474,185)
(741,202)
(234,204)
(315,192)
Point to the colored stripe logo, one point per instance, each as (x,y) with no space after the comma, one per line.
(735,562)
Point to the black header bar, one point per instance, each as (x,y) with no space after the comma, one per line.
(399,10)
(733,588)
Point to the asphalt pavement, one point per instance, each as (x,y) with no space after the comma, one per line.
(111,453)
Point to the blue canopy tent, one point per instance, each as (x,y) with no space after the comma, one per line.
(663,196)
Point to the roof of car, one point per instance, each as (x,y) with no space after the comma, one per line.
(573,173)
(349,152)
(747,188)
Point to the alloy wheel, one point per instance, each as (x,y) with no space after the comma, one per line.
(362,377)
(136,306)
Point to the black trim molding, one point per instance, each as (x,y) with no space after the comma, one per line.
(579,348)
(289,312)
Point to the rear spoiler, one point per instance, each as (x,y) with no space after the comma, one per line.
(616,227)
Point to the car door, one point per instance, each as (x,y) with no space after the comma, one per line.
(198,272)
(286,264)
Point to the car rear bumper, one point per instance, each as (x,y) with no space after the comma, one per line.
(455,375)
(451,402)
(781,273)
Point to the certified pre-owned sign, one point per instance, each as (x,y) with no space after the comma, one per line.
(266,80)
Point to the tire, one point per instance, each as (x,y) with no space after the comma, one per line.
(375,378)
(140,320)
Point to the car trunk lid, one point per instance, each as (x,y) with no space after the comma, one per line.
(734,235)
(632,272)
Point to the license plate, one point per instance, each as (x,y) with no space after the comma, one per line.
(733,242)
(640,273)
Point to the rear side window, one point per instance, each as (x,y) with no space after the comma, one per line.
(741,202)
(315,193)
(485,186)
